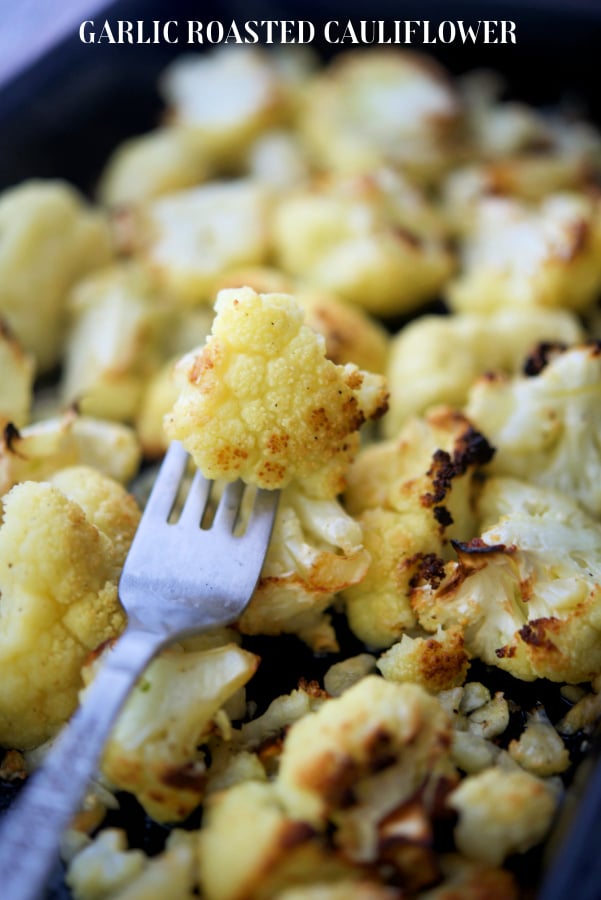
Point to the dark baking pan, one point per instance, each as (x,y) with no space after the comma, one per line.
(64,113)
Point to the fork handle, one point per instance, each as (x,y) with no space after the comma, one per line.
(31,831)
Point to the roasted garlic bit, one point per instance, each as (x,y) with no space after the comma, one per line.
(525,591)
(190,239)
(543,424)
(160,162)
(501,812)
(260,401)
(114,341)
(16,385)
(50,238)
(154,751)
(39,450)
(434,360)
(106,867)
(410,496)
(372,239)
(62,546)
(255,93)
(523,256)
(372,108)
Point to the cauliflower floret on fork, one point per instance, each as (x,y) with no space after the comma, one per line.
(260,401)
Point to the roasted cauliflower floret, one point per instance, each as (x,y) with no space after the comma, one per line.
(519,256)
(526,590)
(256,92)
(540,749)
(39,450)
(437,663)
(153,751)
(366,109)
(239,862)
(60,561)
(49,240)
(106,868)
(501,812)
(16,386)
(150,165)
(261,402)
(191,238)
(435,359)
(316,551)
(410,495)
(113,343)
(543,423)
(359,757)
(361,238)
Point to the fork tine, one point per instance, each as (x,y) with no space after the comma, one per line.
(262,517)
(196,501)
(163,494)
(227,511)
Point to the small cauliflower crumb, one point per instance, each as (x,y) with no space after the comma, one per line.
(501,812)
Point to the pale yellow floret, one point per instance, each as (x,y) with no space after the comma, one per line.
(375,107)
(363,238)
(539,749)
(162,161)
(526,591)
(16,384)
(60,561)
(157,401)
(50,238)
(255,94)
(153,751)
(260,401)
(500,813)
(43,448)
(106,868)
(543,424)
(114,342)
(435,359)
(192,238)
(523,256)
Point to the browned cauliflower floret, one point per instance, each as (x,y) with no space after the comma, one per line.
(437,663)
(60,561)
(410,495)
(359,757)
(378,107)
(49,240)
(501,812)
(153,751)
(526,590)
(251,847)
(260,401)
(543,423)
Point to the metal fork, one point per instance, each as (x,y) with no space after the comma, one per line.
(178,579)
